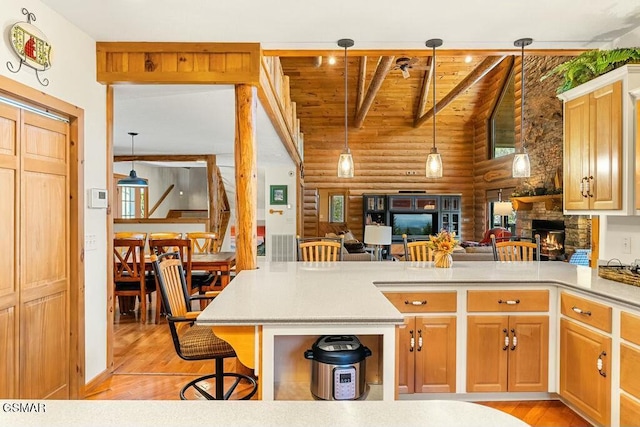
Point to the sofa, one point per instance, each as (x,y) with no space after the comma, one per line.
(352,248)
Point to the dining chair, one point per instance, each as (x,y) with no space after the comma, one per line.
(516,248)
(193,342)
(416,250)
(131,235)
(319,248)
(129,273)
(162,236)
(204,242)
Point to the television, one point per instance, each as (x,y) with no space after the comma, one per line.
(414,224)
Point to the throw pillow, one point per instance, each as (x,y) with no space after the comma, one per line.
(354,247)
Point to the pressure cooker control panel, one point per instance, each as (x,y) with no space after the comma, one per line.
(344,383)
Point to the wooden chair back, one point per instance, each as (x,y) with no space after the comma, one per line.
(204,242)
(181,246)
(516,248)
(319,249)
(416,250)
(129,266)
(131,235)
(171,281)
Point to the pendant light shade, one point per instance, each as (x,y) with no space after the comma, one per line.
(133,180)
(434,161)
(521,165)
(345,162)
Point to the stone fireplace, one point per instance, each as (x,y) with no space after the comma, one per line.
(576,228)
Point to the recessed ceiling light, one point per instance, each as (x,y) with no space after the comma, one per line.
(332,60)
(468,59)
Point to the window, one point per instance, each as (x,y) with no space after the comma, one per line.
(502,122)
(336,208)
(130,202)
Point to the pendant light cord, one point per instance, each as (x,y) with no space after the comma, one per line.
(346,71)
(522,143)
(131,152)
(433,76)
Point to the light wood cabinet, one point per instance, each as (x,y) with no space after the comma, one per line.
(426,355)
(426,346)
(585,377)
(629,368)
(507,353)
(593,150)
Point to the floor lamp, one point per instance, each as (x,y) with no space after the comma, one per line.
(377,236)
(503,209)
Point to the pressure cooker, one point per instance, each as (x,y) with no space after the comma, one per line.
(338,366)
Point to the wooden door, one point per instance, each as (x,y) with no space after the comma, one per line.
(44,280)
(9,214)
(405,356)
(435,355)
(606,147)
(580,381)
(528,353)
(576,152)
(487,353)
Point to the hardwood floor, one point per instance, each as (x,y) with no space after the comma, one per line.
(147,368)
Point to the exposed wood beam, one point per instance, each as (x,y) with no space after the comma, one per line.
(424,91)
(362,79)
(162,158)
(479,72)
(161,199)
(384,65)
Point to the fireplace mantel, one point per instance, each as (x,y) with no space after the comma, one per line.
(551,201)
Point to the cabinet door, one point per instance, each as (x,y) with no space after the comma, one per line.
(606,148)
(637,154)
(405,360)
(581,383)
(487,353)
(576,152)
(528,353)
(435,355)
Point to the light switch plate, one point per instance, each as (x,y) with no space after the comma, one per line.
(90,242)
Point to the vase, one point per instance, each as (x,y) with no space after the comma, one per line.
(442,259)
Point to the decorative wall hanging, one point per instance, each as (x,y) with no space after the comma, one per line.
(31,46)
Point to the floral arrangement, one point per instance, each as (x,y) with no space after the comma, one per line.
(443,241)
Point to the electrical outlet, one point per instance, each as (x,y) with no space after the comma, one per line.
(626,245)
(90,242)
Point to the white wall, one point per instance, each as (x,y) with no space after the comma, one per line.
(72,79)
(631,39)
(274,222)
(613,230)
(197,192)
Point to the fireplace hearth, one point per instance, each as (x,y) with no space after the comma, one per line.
(551,238)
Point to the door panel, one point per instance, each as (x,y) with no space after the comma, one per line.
(529,360)
(405,357)
(436,358)
(44,283)
(576,156)
(486,353)
(8,365)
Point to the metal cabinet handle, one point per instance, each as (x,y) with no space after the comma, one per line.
(506,339)
(419,339)
(413,341)
(514,340)
(599,364)
(589,193)
(580,311)
(582,187)
(423,302)
(509,302)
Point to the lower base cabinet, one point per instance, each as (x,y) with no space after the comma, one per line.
(585,379)
(426,355)
(507,353)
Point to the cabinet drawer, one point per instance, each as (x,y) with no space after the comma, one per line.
(508,300)
(423,302)
(586,311)
(630,327)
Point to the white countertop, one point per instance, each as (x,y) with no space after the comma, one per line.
(349,292)
(433,413)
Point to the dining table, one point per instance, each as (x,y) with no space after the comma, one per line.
(222,262)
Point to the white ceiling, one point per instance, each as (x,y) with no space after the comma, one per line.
(297,24)
(200,119)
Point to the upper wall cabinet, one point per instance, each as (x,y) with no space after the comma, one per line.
(599,139)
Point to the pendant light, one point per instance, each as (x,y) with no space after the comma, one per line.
(133,180)
(345,162)
(434,161)
(521,165)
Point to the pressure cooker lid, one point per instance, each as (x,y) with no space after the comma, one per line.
(339,350)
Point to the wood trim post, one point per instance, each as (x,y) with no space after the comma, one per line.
(246,178)
(214,202)
(112,202)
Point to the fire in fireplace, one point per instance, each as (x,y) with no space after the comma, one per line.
(551,237)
